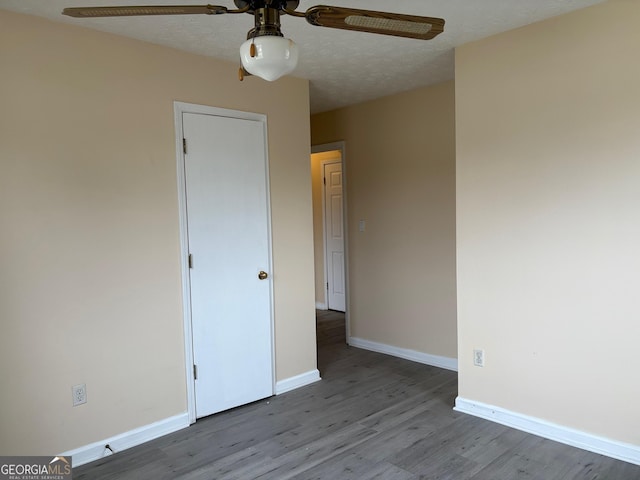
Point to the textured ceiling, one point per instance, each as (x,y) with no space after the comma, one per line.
(343,67)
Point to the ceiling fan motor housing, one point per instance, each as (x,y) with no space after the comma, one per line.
(277,4)
(267,15)
(267,23)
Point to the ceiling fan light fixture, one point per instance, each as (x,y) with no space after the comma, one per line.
(274,56)
(266,53)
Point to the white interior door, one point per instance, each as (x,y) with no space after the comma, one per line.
(334,236)
(228,238)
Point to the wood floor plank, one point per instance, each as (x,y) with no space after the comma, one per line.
(307,456)
(400,412)
(516,465)
(224,466)
(371,417)
(490,441)
(353,466)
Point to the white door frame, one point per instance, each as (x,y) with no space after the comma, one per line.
(179,109)
(328,147)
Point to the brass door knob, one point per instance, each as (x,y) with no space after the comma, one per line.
(263,275)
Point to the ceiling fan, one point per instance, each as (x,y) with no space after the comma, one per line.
(266,53)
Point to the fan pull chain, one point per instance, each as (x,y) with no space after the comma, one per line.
(252,48)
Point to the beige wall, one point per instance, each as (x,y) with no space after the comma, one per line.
(548,177)
(400,161)
(317,160)
(90,288)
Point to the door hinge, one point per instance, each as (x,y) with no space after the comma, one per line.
(195,371)
(327,285)
(184,146)
(324,180)
(190,260)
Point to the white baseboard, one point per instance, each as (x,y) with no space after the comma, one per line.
(321,306)
(298,381)
(138,436)
(413,355)
(576,438)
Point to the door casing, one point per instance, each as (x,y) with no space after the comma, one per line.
(341,147)
(179,109)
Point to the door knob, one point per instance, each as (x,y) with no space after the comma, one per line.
(263,275)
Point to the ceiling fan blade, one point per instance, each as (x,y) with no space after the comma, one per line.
(397,24)
(90,12)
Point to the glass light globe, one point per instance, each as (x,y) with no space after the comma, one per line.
(274,57)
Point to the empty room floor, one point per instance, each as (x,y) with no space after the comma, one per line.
(371,416)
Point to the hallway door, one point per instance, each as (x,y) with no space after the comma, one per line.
(334,236)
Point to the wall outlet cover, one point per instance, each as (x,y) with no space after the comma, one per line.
(79,394)
(478,358)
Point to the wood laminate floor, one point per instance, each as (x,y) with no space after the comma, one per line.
(371,417)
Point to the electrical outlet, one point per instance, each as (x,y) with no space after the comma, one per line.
(79,393)
(478,358)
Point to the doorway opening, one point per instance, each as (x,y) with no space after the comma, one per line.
(330,232)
